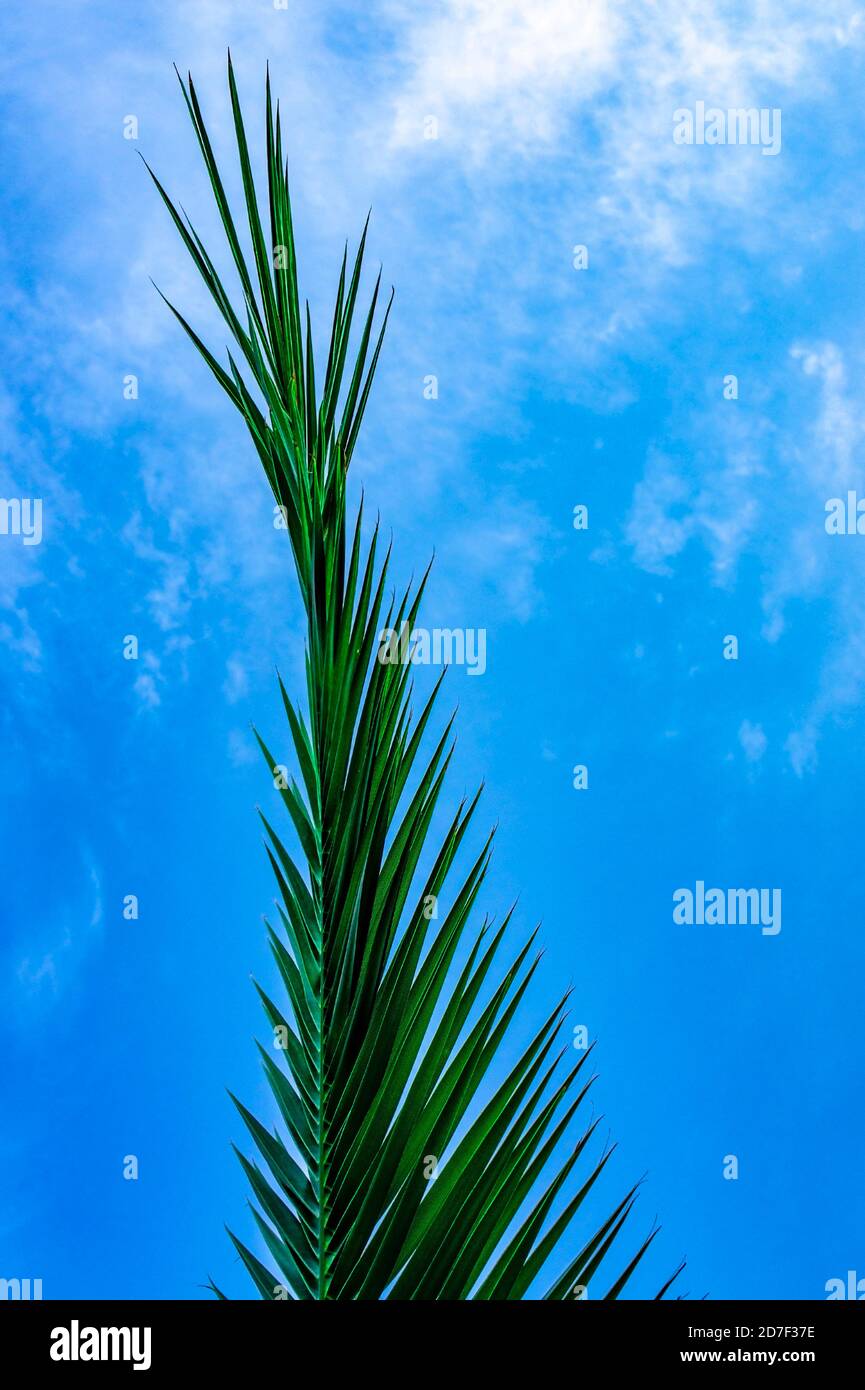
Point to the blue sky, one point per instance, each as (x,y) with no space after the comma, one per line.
(555,387)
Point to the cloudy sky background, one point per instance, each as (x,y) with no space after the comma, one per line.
(556,387)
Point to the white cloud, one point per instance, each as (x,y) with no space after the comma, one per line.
(236,682)
(495,556)
(146,690)
(841,680)
(653,529)
(693,495)
(555,127)
(57,950)
(169,601)
(752,740)
(503,74)
(761,492)
(241,748)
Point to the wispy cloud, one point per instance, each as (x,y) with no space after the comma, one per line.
(554,127)
(752,740)
(57,950)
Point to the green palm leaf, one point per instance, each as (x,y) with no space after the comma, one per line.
(386,1073)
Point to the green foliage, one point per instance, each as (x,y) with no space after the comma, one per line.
(391,1032)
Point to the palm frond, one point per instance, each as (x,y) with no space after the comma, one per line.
(407,1166)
